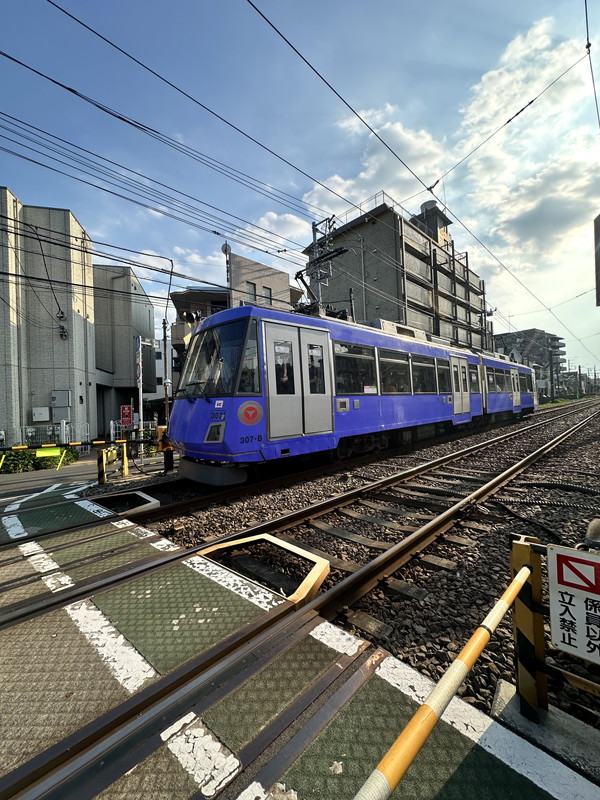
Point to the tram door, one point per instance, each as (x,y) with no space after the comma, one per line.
(460,385)
(298,381)
(516,389)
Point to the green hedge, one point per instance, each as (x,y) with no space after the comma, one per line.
(26,460)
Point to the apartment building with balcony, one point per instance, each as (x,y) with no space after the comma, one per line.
(402,268)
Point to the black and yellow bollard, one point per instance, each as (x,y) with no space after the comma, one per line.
(528,628)
(102,460)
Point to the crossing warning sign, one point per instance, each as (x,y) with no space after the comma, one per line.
(574,594)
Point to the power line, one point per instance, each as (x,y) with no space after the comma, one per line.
(429,188)
(504,124)
(42,135)
(139,189)
(234,235)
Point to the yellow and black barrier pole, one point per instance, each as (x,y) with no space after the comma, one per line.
(392,767)
(528,628)
(102,458)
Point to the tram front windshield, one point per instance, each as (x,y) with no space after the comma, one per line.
(213,360)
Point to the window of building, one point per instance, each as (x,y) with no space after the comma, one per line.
(354,369)
(158,355)
(394,372)
(423,373)
(250,292)
(268,295)
(159,381)
(443,375)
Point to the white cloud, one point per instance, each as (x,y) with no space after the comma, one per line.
(530,193)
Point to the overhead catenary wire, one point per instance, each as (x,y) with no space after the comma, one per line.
(210,111)
(235,234)
(429,188)
(139,189)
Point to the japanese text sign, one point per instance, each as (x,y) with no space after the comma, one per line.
(574,594)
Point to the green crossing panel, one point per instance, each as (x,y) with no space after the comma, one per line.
(81,535)
(449,767)
(158,776)
(20,525)
(175,614)
(242,714)
(91,547)
(100,565)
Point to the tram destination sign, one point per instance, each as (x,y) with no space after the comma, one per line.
(574,594)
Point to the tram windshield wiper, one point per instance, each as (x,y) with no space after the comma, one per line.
(201,391)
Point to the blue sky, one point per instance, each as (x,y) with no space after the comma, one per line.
(433,80)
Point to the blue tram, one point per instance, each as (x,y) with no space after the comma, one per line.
(260,384)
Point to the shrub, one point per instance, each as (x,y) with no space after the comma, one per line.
(26,461)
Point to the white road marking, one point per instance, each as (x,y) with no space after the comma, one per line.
(94,509)
(517,753)
(42,562)
(201,754)
(235,583)
(15,506)
(336,638)
(13,527)
(128,666)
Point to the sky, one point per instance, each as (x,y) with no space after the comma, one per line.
(248,141)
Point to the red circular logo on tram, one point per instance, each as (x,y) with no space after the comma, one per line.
(250,413)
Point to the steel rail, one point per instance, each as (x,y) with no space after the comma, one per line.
(31,608)
(47,776)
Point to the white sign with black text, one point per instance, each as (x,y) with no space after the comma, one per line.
(574,594)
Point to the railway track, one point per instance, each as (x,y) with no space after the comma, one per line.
(172,673)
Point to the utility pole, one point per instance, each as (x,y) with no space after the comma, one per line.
(166,381)
(551,375)
(320,266)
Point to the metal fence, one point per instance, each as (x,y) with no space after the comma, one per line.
(33,435)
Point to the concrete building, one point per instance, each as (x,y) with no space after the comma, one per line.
(123,314)
(403,269)
(539,349)
(67,328)
(47,337)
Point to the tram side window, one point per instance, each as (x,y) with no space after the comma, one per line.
(249,380)
(394,372)
(284,368)
(316,369)
(474,379)
(491,380)
(443,375)
(503,380)
(423,372)
(354,369)
(529,383)
(455,378)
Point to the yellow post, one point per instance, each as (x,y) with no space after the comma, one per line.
(124,461)
(62,458)
(528,628)
(392,767)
